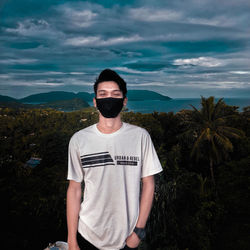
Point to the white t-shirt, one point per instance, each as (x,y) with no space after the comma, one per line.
(111,166)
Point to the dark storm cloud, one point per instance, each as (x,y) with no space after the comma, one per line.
(167,46)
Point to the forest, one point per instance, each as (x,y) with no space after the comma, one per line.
(201,199)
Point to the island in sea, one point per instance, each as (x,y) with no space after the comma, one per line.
(69,101)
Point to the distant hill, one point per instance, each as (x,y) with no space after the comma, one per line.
(57,96)
(66,105)
(85,96)
(133,95)
(6,101)
(142,95)
(49,97)
(4,98)
(62,100)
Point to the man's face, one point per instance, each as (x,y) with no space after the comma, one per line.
(108,89)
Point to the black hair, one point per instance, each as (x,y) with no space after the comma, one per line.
(110,75)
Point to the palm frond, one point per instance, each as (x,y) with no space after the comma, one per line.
(187,136)
(219,121)
(195,109)
(198,143)
(223,142)
(217,108)
(231,132)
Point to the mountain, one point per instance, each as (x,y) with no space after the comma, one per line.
(57,96)
(142,95)
(133,95)
(9,102)
(66,105)
(49,97)
(62,100)
(4,98)
(85,96)
(69,101)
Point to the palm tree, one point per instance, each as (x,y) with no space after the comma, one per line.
(210,133)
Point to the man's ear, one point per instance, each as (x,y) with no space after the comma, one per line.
(125,101)
(94,102)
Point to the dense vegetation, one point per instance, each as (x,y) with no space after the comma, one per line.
(202,196)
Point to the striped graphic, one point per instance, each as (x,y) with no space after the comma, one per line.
(97,160)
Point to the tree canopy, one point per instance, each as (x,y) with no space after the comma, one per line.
(186,213)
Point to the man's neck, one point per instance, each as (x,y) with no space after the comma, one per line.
(109,125)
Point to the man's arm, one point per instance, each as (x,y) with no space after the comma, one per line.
(147,196)
(74,194)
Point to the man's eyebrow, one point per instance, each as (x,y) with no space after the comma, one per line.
(104,90)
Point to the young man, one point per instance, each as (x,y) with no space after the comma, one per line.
(112,158)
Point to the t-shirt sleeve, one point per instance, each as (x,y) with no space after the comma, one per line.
(75,171)
(150,161)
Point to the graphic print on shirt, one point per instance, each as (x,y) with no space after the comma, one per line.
(104,158)
(127,160)
(96,160)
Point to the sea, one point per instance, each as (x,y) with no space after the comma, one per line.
(177,104)
(174,105)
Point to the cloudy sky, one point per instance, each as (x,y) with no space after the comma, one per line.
(177,48)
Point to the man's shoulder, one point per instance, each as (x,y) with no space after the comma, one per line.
(83,132)
(135,129)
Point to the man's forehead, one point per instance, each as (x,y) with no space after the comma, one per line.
(108,85)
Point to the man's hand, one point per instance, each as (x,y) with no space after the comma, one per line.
(133,241)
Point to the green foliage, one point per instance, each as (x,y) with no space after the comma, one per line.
(234,192)
(186,213)
(210,132)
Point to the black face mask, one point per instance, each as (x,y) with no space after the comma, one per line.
(109,107)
